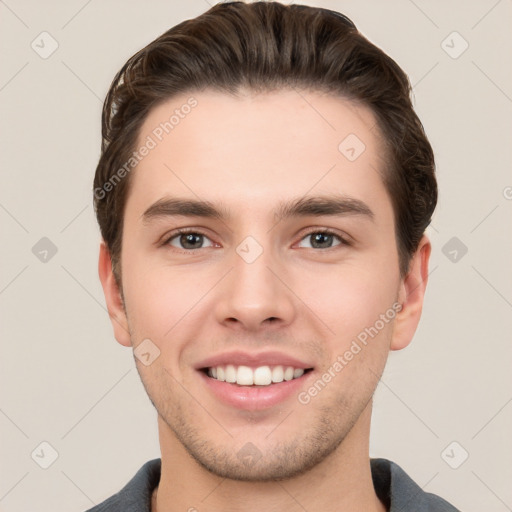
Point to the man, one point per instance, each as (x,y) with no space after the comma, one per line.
(262,193)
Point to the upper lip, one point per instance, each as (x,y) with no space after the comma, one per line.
(268,358)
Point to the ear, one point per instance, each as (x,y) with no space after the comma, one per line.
(411,294)
(115,307)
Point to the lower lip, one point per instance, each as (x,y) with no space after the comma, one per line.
(254,398)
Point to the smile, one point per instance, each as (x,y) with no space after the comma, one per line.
(259,376)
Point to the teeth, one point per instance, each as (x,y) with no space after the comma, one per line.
(277,374)
(245,376)
(288,373)
(261,376)
(298,372)
(230,373)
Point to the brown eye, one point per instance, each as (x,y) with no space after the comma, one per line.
(190,241)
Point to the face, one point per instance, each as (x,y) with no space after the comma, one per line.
(259,244)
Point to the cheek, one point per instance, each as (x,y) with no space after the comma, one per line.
(161,300)
(350,299)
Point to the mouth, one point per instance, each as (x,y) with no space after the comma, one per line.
(259,388)
(254,381)
(260,376)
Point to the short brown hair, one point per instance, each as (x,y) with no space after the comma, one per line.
(264,46)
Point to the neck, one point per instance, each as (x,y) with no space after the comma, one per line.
(342,481)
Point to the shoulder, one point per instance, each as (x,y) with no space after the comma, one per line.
(135,496)
(398,491)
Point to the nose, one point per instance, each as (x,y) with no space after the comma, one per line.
(255,295)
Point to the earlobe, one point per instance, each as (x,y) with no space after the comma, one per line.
(113,298)
(411,295)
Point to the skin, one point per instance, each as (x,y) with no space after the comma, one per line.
(248,154)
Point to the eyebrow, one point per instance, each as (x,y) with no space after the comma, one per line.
(317,206)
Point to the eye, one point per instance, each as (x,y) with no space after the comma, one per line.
(322,240)
(189,240)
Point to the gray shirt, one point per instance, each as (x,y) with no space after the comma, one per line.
(392,485)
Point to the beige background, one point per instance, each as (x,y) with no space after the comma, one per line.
(65,381)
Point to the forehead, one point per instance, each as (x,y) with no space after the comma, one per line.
(253,148)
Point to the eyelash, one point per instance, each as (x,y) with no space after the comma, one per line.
(184,231)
